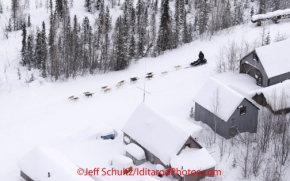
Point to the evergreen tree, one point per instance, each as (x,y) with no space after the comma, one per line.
(121,60)
(203,16)
(88,5)
(29,52)
(152,27)
(182,14)
(38,49)
(133,21)
(226,16)
(98,4)
(268,39)
(59,8)
(1,7)
(177,24)
(277,5)
(132,52)
(164,34)
(156,6)
(185,35)
(23,50)
(262,6)
(252,11)
(43,51)
(239,14)
(28,21)
(15,14)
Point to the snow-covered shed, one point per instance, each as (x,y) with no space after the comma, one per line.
(195,160)
(136,153)
(269,64)
(224,110)
(159,136)
(276,98)
(44,163)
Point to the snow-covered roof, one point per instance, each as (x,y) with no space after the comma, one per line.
(41,160)
(229,99)
(135,150)
(120,162)
(271,14)
(156,133)
(273,95)
(193,159)
(275,58)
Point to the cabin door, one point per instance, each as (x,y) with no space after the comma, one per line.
(258,77)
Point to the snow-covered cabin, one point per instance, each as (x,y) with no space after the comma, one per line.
(161,137)
(225,110)
(269,64)
(43,163)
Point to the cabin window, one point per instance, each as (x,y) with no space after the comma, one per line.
(243,110)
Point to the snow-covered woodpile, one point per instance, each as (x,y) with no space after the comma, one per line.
(274,16)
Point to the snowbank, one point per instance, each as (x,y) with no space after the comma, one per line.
(121,162)
(92,132)
(136,151)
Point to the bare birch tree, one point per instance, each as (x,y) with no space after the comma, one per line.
(216,104)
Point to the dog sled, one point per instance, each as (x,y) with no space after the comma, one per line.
(198,62)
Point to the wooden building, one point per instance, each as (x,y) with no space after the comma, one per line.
(224,110)
(162,137)
(269,64)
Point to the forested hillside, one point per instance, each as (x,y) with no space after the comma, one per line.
(69,46)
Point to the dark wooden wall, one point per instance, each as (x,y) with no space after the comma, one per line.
(244,123)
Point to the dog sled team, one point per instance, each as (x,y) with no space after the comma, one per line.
(201,60)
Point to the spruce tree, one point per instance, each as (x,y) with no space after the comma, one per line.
(23,50)
(1,7)
(268,39)
(203,16)
(88,5)
(59,8)
(177,24)
(43,51)
(15,14)
(164,34)
(132,52)
(252,11)
(38,50)
(28,21)
(121,60)
(182,14)
(185,35)
(29,52)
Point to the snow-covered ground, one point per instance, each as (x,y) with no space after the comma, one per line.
(40,113)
